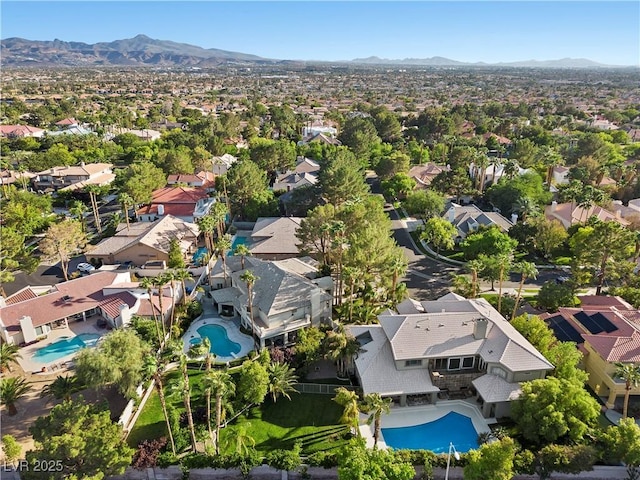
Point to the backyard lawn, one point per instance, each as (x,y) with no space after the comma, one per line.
(312,419)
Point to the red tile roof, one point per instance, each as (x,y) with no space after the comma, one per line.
(20,296)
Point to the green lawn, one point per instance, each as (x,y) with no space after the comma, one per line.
(313,419)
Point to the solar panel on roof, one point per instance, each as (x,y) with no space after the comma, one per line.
(581,316)
(564,331)
(604,322)
(590,324)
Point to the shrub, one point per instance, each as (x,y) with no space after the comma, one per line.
(323,459)
(148,452)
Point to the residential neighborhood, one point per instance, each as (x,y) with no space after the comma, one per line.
(296,269)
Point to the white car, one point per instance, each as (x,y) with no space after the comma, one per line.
(86,267)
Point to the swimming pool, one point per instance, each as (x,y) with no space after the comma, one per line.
(219,339)
(436,435)
(237,241)
(199,255)
(64,346)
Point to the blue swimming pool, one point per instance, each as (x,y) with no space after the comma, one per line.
(220,343)
(199,255)
(435,436)
(237,241)
(64,346)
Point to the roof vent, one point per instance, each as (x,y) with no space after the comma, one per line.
(66,298)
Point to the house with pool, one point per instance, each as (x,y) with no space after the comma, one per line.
(288,295)
(111,298)
(449,348)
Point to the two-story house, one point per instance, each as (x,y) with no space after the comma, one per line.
(74,177)
(185,203)
(288,295)
(467,219)
(448,347)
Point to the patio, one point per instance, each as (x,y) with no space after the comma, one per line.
(29,364)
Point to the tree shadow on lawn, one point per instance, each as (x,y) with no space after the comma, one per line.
(320,440)
(301,411)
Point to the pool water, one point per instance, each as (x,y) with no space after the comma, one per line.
(65,346)
(435,436)
(199,255)
(237,241)
(220,343)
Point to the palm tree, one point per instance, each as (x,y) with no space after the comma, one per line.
(374,405)
(183,274)
(504,264)
(94,191)
(223,245)
(220,383)
(631,376)
(250,279)
(170,276)
(511,169)
(526,270)
(398,265)
(526,207)
(475,267)
(219,214)
(282,378)
(181,388)
(126,201)
(147,284)
(159,282)
(11,390)
(241,441)
(154,369)
(352,275)
(77,211)
(207,226)
(62,387)
(242,251)
(8,354)
(549,157)
(351,413)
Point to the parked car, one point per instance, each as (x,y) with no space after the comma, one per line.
(85,268)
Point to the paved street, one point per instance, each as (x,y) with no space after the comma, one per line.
(428,278)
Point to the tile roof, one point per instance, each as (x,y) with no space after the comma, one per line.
(495,389)
(88,169)
(571,213)
(275,235)
(20,296)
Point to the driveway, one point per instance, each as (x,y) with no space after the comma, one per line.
(45,274)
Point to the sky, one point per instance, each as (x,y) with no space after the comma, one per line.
(489,31)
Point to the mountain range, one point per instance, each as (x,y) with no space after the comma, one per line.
(142,50)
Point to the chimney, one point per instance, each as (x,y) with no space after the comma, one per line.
(452,213)
(514,218)
(161,209)
(480,328)
(554,205)
(618,214)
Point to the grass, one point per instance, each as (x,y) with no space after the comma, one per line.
(312,419)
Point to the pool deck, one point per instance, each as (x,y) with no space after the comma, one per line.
(27,362)
(409,416)
(233,332)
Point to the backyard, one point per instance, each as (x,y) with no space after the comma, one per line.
(311,419)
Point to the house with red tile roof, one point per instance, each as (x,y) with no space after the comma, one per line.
(26,316)
(16,131)
(570,214)
(606,330)
(201,179)
(186,203)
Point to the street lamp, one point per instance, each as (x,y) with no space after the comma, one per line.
(455,454)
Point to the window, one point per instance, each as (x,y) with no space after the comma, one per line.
(412,363)
(39,331)
(440,364)
(454,364)
(467,362)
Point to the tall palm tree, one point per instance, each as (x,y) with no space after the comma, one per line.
(475,267)
(125,201)
(241,441)
(223,245)
(154,369)
(183,274)
(242,251)
(94,191)
(220,383)
(282,378)
(77,211)
(11,390)
(352,275)
(351,412)
(170,276)
(219,214)
(374,405)
(630,373)
(207,226)
(62,387)
(147,284)
(504,265)
(526,270)
(250,279)
(398,265)
(159,282)
(8,354)
(181,388)
(511,169)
